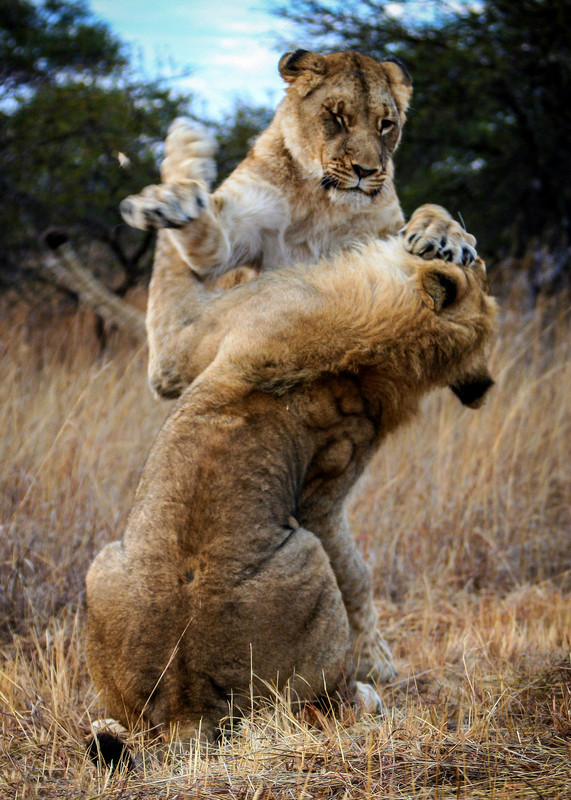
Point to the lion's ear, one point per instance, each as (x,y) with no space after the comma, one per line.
(438,288)
(400,80)
(302,67)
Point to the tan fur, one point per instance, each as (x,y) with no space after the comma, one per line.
(318,180)
(237,560)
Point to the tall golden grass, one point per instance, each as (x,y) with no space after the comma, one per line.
(463,516)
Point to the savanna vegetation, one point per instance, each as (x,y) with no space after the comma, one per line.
(464,517)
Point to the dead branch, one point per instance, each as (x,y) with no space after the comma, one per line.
(64,264)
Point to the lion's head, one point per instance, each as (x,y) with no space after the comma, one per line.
(342,119)
(461,297)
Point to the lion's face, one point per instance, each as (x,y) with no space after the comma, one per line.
(343,119)
(461,298)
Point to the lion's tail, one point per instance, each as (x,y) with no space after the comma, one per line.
(189,153)
(106,746)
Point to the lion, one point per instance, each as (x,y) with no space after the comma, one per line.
(237,573)
(319,179)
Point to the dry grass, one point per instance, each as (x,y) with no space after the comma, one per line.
(464,518)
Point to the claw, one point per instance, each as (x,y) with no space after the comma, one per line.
(468,255)
(427,250)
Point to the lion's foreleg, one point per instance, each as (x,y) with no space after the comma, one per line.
(373,659)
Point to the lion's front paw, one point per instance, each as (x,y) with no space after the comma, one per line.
(432,233)
(375,660)
(367,699)
(165,205)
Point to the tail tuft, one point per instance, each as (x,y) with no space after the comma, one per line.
(110,750)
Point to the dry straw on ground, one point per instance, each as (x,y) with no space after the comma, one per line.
(464,518)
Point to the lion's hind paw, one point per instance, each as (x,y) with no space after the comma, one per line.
(165,205)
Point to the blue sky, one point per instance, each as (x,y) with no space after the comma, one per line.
(231,46)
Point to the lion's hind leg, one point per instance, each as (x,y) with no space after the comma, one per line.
(139,634)
(189,153)
(108,617)
(187,173)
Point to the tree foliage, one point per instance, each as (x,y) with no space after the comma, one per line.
(42,43)
(73,114)
(488,130)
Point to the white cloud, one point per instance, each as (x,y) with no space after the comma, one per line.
(394,9)
(234,56)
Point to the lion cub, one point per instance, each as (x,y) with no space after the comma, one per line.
(237,565)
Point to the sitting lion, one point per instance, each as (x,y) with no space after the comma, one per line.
(319,179)
(237,565)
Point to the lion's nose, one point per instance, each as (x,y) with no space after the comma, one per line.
(361,172)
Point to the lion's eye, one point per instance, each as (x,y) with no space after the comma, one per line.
(339,120)
(386,126)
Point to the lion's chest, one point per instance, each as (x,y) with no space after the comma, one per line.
(310,231)
(312,237)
